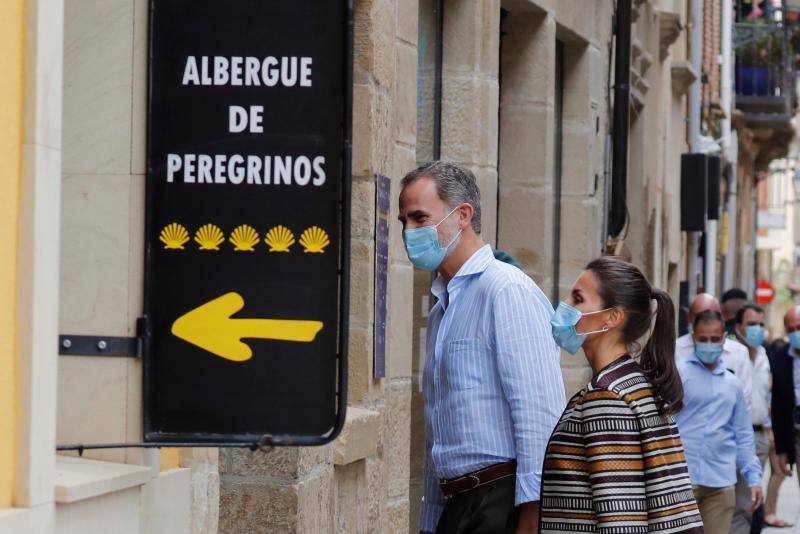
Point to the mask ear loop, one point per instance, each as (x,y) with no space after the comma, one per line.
(604,329)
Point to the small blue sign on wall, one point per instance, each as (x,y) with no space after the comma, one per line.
(383,188)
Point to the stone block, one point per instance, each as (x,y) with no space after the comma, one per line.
(405,101)
(489,38)
(400,315)
(408,21)
(397,446)
(141,14)
(362,282)
(405,160)
(376,484)
(526,225)
(528,59)
(316,499)
(290,463)
(526,144)
(362,208)
(91,388)
(363,131)
(488,116)
(397,512)
(95,236)
(98,46)
(487,183)
(359,368)
(359,437)
(136,252)
(248,507)
(352,498)
(460,114)
(462,36)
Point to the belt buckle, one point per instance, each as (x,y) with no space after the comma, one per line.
(476,480)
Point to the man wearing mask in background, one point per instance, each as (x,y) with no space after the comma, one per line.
(734,355)
(716,429)
(786,394)
(732,300)
(750,331)
(492,381)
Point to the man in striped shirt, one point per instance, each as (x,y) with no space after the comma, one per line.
(492,382)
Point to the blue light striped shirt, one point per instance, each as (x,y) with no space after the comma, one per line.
(492,381)
(715,427)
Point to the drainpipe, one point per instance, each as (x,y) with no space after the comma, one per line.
(622,90)
(694,101)
(728,149)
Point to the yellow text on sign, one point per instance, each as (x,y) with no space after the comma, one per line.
(211,327)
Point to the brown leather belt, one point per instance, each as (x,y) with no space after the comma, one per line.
(470,481)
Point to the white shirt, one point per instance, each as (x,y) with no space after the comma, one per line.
(735,357)
(759,401)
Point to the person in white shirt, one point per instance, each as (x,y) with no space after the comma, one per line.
(735,356)
(750,331)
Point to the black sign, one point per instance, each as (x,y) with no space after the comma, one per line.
(247,220)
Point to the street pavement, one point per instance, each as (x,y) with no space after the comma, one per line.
(788,504)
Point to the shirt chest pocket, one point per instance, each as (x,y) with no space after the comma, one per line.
(465,362)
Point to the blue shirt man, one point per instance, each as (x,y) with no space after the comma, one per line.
(715,428)
(492,382)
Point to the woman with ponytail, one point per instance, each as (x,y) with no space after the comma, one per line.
(615,462)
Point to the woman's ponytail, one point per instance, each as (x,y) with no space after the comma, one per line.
(623,285)
(657,358)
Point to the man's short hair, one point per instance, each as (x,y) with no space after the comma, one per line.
(708,317)
(743,310)
(733,293)
(455,184)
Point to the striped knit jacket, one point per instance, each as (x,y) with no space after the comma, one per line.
(614,465)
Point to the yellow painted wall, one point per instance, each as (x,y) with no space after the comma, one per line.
(170,458)
(11,123)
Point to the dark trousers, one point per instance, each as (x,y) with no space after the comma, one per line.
(488,509)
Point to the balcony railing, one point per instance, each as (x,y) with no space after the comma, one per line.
(765,67)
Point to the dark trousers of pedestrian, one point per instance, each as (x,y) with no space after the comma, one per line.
(487,509)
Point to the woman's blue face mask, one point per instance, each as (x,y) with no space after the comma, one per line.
(562,325)
(423,247)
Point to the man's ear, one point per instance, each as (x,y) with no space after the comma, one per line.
(465,213)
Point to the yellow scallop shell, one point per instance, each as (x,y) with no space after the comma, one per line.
(314,240)
(279,239)
(209,237)
(174,236)
(244,238)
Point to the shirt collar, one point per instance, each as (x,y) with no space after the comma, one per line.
(794,353)
(476,264)
(718,370)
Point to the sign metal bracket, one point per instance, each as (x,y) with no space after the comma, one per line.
(87,345)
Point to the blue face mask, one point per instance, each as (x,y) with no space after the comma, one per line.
(754,335)
(708,352)
(794,339)
(423,247)
(562,324)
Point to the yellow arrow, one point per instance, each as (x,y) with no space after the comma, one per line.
(210,327)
